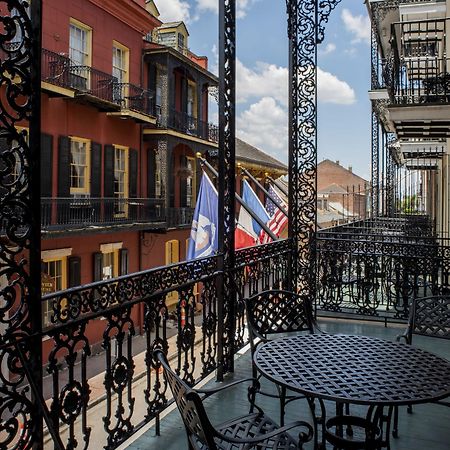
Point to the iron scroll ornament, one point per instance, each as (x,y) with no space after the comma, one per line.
(323,13)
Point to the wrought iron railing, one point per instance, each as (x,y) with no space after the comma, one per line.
(187,124)
(135,98)
(96,83)
(175,308)
(79,212)
(55,69)
(419,69)
(179,217)
(376,267)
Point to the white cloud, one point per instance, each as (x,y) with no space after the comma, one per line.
(265,80)
(269,80)
(329,48)
(359,26)
(174,10)
(331,89)
(242,6)
(265,125)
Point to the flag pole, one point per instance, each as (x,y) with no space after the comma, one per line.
(205,163)
(279,186)
(270,197)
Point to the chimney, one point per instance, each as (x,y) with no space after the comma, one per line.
(350,169)
(337,162)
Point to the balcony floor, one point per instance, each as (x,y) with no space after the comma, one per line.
(428,427)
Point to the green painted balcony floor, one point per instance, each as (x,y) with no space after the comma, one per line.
(427,428)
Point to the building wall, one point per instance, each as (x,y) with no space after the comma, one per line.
(329,172)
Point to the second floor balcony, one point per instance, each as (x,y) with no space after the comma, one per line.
(190,125)
(86,213)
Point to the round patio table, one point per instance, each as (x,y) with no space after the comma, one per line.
(357,370)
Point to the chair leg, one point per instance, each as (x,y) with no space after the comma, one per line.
(395,426)
(349,429)
(282,390)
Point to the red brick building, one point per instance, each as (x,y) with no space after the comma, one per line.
(342,195)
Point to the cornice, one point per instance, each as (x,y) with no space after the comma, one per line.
(130,13)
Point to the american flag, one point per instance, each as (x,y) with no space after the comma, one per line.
(278,219)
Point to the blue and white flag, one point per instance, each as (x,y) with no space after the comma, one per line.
(204,238)
(254,203)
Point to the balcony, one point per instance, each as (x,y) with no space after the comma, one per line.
(61,78)
(136,103)
(71,214)
(417,75)
(190,125)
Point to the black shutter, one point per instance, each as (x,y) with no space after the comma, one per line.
(64,167)
(108,182)
(98,267)
(183,182)
(96,169)
(123,261)
(74,263)
(132,173)
(46,165)
(151,164)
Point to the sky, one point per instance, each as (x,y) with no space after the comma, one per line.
(262,75)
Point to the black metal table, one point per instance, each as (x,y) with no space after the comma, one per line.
(356,370)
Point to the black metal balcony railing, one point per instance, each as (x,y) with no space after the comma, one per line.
(94,82)
(418,70)
(82,212)
(59,70)
(179,217)
(374,268)
(134,392)
(135,98)
(187,124)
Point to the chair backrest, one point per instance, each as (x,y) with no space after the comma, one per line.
(430,316)
(276,311)
(199,430)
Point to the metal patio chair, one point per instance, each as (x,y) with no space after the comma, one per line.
(428,316)
(277,312)
(253,430)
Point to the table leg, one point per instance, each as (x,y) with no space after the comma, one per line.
(318,414)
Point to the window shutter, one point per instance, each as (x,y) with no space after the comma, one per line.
(132,173)
(96,169)
(64,167)
(108,182)
(98,266)
(74,265)
(123,261)
(183,183)
(108,179)
(46,165)
(151,167)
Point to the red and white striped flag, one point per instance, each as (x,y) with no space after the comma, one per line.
(278,220)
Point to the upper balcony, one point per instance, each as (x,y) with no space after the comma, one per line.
(417,75)
(60,77)
(189,125)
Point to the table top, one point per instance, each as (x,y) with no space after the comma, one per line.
(355,369)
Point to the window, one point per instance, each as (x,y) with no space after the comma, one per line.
(53,279)
(167,39)
(120,180)
(181,41)
(120,63)
(80,54)
(110,260)
(172,257)
(190,182)
(191,100)
(79,165)
(80,44)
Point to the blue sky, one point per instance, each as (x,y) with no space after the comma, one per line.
(344,74)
